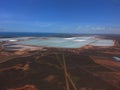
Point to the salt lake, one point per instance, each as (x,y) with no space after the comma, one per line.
(72,42)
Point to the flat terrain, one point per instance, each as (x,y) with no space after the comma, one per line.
(45,71)
(87,68)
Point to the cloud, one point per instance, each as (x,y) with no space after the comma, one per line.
(98,27)
(28,23)
(57,27)
(6,15)
(12,16)
(3,29)
(8,22)
(41,24)
(90,27)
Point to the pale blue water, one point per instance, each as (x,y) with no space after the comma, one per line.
(103,43)
(74,42)
(16,38)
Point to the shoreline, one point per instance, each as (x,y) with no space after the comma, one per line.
(9,43)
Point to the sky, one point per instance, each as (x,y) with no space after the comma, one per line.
(60,16)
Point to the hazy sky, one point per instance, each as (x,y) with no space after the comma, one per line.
(60,16)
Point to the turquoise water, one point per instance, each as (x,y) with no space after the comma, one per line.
(73,42)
